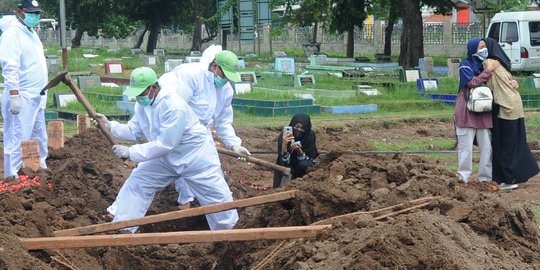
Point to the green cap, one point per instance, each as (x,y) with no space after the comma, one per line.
(140,79)
(228,62)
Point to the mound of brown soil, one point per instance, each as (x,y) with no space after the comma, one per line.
(461,229)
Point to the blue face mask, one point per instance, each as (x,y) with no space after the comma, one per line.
(219,82)
(482,54)
(31,19)
(145,100)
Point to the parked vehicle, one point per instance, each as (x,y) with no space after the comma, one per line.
(518,33)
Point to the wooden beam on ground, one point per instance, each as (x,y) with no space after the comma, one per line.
(88,241)
(197,211)
(30,154)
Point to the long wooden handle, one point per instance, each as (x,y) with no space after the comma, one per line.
(91,112)
(281,169)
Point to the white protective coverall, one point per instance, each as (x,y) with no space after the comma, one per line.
(24,68)
(195,84)
(178,146)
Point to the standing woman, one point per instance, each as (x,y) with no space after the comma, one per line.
(513,161)
(470,125)
(298,150)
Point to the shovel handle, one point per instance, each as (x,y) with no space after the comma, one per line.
(91,112)
(281,169)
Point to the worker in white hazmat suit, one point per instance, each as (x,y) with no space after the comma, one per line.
(24,70)
(178,147)
(206,88)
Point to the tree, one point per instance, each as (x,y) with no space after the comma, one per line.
(7,7)
(389,11)
(345,16)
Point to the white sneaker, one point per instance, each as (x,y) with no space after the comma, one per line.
(504,186)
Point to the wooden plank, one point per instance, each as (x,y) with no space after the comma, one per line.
(30,154)
(87,241)
(55,131)
(197,211)
(83,122)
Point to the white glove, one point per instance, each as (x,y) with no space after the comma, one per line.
(241,150)
(121,151)
(103,120)
(15,101)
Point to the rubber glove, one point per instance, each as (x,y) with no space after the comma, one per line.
(121,151)
(241,150)
(15,101)
(103,120)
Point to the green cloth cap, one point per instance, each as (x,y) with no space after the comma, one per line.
(228,62)
(140,79)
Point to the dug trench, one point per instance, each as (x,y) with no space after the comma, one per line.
(463,228)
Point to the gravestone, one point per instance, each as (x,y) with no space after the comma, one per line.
(426,64)
(453,67)
(150,60)
(195,53)
(114,67)
(431,84)
(136,51)
(85,82)
(53,62)
(55,132)
(242,88)
(409,75)
(193,59)
(285,65)
(318,60)
(303,80)
(241,62)
(83,122)
(30,154)
(62,99)
(534,81)
(159,52)
(249,77)
(170,64)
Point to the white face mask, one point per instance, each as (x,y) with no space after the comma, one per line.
(482,54)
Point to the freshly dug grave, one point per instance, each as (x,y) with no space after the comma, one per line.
(462,229)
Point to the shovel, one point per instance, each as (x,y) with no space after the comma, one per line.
(66,79)
(283,170)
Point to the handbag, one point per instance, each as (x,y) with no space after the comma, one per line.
(480,99)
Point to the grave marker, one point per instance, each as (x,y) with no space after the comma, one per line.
(159,52)
(193,59)
(136,51)
(427,84)
(453,67)
(241,63)
(55,131)
(170,64)
(367,90)
(248,77)
(114,67)
(30,154)
(318,60)
(409,75)
(534,81)
(426,64)
(83,122)
(302,80)
(195,53)
(242,88)
(285,65)
(150,60)
(85,82)
(279,54)
(52,62)
(62,99)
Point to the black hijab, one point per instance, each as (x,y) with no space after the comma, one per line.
(496,52)
(307,139)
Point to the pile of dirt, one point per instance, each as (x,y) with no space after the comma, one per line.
(461,228)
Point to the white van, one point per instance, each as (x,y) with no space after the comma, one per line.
(518,33)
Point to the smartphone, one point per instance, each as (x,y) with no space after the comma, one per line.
(287,130)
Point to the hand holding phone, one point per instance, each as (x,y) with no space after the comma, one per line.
(286,131)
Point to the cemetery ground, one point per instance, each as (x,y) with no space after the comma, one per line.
(444,224)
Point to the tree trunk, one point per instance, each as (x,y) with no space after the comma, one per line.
(388,31)
(412,37)
(153,37)
(350,43)
(315,28)
(140,39)
(197,31)
(224,39)
(76,40)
